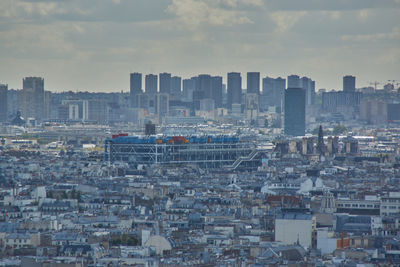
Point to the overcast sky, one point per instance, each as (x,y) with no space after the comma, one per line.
(94,44)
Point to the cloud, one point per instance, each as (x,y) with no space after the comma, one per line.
(18,10)
(364,14)
(257,3)
(38,40)
(394,34)
(334,15)
(339,5)
(194,13)
(37,11)
(285,20)
(109,38)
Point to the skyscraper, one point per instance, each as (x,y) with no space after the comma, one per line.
(3,102)
(202,89)
(268,85)
(151,81)
(273,92)
(253,83)
(216,88)
(135,87)
(33,98)
(189,86)
(349,83)
(176,86)
(295,111)
(161,106)
(313,92)
(293,81)
(47,105)
(279,90)
(234,89)
(309,86)
(136,83)
(165,83)
(204,84)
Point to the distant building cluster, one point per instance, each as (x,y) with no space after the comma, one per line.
(291,104)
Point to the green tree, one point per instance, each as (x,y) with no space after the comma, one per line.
(339,129)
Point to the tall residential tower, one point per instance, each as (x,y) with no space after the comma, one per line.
(349,83)
(253,83)
(3,102)
(234,89)
(295,111)
(33,102)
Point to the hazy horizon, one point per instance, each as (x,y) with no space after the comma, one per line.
(93,45)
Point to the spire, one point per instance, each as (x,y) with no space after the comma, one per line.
(321,145)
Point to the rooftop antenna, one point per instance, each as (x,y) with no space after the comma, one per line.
(375,83)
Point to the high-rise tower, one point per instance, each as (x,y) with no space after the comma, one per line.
(165,83)
(3,102)
(216,88)
(349,83)
(135,87)
(151,81)
(253,83)
(293,81)
(33,98)
(295,111)
(176,86)
(234,89)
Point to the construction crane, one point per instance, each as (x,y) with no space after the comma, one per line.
(374,84)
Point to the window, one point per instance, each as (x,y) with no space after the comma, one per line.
(347,205)
(362,205)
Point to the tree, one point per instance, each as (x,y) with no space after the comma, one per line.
(315,131)
(339,129)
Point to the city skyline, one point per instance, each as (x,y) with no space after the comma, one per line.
(82,46)
(127,88)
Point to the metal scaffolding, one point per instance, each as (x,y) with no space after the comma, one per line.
(205,155)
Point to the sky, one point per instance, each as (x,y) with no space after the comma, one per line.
(93,45)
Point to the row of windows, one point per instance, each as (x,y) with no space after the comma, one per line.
(16,241)
(390,207)
(389,213)
(348,205)
(391,200)
(285,185)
